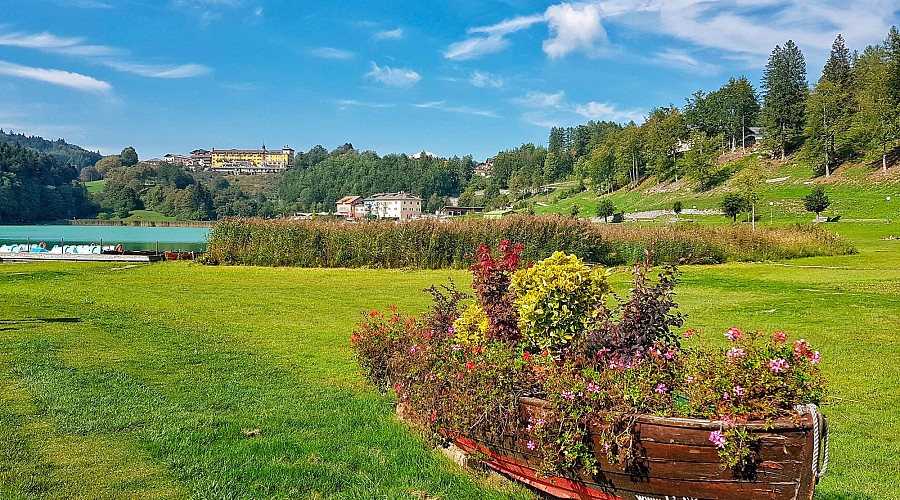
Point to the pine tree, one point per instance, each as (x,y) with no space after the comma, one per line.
(828,112)
(837,69)
(784,82)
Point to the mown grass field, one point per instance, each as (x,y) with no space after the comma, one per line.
(136,382)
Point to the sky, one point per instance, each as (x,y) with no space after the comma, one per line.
(452,77)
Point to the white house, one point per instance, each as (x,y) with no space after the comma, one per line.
(400,206)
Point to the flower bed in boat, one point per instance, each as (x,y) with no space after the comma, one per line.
(560,389)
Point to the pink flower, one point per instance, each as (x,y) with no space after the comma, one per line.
(780,336)
(725,396)
(661,388)
(412,350)
(530,445)
(738,391)
(734,334)
(815,358)
(718,439)
(592,387)
(451,331)
(778,365)
(689,379)
(457,347)
(734,353)
(568,395)
(671,354)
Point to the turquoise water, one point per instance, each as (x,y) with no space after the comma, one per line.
(131,237)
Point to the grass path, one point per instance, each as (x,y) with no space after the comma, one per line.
(138,382)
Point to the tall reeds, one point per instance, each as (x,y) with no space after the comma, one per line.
(434,244)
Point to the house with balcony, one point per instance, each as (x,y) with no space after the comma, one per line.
(400,206)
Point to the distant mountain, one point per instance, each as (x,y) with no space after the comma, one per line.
(61,151)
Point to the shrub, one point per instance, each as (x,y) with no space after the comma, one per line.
(471,327)
(556,299)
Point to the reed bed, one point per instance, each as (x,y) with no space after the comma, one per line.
(435,244)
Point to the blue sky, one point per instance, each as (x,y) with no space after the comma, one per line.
(453,77)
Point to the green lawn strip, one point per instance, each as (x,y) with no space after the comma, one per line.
(186,387)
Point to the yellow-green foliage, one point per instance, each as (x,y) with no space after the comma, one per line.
(557,298)
(471,325)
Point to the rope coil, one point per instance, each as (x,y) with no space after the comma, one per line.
(820,440)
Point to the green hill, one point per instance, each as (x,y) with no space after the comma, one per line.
(856,191)
(61,151)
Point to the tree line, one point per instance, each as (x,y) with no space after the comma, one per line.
(63,152)
(35,187)
(851,113)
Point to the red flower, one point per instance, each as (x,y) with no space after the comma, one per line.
(526,356)
(470,365)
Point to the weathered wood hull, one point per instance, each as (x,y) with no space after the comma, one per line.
(678,462)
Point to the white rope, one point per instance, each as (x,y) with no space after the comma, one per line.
(819,441)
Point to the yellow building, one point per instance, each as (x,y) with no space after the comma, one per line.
(251,160)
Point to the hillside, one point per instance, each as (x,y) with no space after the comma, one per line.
(857,191)
(61,151)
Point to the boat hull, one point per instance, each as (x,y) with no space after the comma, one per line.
(677,461)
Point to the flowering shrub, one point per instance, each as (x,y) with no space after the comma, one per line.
(471,326)
(464,374)
(557,299)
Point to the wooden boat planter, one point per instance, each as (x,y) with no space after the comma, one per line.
(677,460)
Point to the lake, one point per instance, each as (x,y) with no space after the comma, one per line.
(131,237)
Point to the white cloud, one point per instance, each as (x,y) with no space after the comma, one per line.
(332,53)
(99,54)
(574,27)
(607,112)
(485,80)
(396,34)
(682,60)
(354,102)
(492,41)
(393,77)
(743,30)
(160,71)
(75,81)
(258,11)
(442,106)
(542,100)
(553,110)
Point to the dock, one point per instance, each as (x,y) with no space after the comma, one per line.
(79,257)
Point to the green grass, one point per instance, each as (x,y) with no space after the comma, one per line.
(94,187)
(137,382)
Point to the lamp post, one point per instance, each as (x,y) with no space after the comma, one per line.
(771,212)
(888,200)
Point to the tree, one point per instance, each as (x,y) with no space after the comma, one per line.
(784,82)
(732,205)
(828,112)
(838,67)
(676,207)
(128,157)
(664,131)
(700,159)
(605,208)
(574,210)
(816,201)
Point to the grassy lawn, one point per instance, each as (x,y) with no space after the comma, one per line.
(137,382)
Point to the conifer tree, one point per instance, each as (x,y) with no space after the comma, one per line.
(786,89)
(828,112)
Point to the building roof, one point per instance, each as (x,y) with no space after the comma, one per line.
(350,199)
(402,195)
